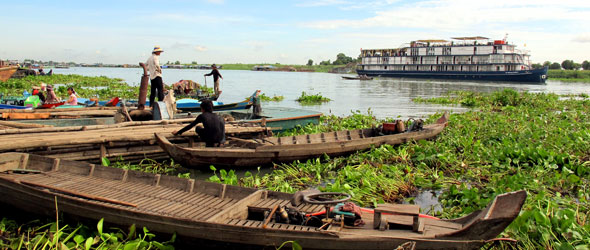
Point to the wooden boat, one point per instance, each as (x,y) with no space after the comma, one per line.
(7,72)
(279,118)
(51,105)
(195,105)
(218,212)
(360,77)
(8,106)
(242,153)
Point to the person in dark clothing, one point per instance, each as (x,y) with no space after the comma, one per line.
(216,76)
(213,131)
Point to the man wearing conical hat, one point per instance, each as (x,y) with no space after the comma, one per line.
(157,85)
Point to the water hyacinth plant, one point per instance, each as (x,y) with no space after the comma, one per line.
(310,99)
(510,141)
(85,86)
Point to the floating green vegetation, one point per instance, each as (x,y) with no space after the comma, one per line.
(274,98)
(58,236)
(85,86)
(513,140)
(149,166)
(569,75)
(266,98)
(310,99)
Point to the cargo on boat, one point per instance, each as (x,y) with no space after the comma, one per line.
(219,212)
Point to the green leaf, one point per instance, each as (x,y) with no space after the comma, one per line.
(78,239)
(99,226)
(131,246)
(132,232)
(105,161)
(295,246)
(212,168)
(89,243)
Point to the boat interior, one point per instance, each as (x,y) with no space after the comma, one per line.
(192,200)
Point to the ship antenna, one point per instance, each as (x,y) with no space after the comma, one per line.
(505,36)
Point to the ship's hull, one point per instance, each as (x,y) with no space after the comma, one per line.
(527,76)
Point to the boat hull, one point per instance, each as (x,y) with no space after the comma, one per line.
(218,212)
(291,148)
(195,105)
(524,76)
(7,72)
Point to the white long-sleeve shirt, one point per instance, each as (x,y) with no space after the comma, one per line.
(153,65)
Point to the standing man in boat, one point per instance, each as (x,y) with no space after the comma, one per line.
(213,130)
(157,85)
(216,77)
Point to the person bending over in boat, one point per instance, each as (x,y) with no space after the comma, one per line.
(213,130)
(73,98)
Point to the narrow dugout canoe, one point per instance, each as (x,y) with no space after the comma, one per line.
(248,153)
(218,212)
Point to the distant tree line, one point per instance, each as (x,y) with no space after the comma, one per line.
(566,64)
(341,59)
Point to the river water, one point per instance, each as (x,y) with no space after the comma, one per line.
(385,97)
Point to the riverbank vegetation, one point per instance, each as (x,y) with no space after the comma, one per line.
(569,75)
(533,141)
(311,99)
(281,67)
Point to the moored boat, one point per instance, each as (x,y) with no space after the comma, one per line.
(7,72)
(250,153)
(359,77)
(189,104)
(464,58)
(279,118)
(211,211)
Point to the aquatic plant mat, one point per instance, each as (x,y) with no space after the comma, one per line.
(510,141)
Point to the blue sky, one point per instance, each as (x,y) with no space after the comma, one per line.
(288,32)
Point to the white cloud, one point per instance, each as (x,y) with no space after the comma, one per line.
(462,14)
(201,48)
(584,38)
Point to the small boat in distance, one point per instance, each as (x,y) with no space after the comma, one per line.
(232,214)
(359,77)
(463,58)
(257,152)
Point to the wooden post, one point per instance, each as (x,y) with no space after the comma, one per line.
(103,151)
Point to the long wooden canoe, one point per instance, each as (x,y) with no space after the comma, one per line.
(7,72)
(219,212)
(240,153)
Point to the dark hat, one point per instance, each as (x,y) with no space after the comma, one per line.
(213,65)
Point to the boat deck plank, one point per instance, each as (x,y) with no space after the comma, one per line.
(159,200)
